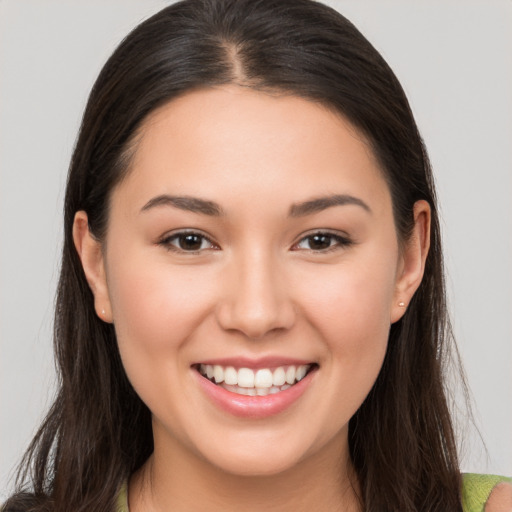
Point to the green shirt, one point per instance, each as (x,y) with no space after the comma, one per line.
(476,489)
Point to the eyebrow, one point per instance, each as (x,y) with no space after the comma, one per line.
(322,203)
(187,203)
(205,207)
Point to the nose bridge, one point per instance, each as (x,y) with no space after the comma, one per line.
(258,300)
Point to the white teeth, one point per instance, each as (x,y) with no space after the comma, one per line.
(230,376)
(255,391)
(279,377)
(245,378)
(218,374)
(290,375)
(262,382)
(263,379)
(301,372)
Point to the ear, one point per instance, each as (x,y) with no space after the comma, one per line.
(412,261)
(91,255)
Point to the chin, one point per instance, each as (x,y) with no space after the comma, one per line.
(255,460)
(256,466)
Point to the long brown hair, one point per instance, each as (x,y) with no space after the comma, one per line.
(98,431)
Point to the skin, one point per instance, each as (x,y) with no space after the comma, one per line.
(500,499)
(259,289)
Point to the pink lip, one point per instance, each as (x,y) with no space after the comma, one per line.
(263,362)
(256,407)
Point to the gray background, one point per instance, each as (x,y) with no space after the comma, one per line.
(454,61)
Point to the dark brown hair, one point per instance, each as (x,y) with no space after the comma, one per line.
(98,431)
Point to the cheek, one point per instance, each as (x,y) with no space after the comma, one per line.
(155,308)
(352,314)
(355,300)
(351,308)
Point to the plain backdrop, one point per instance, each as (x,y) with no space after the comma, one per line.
(454,61)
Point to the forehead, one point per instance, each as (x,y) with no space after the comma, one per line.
(236,142)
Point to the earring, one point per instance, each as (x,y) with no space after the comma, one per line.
(103,312)
(401,304)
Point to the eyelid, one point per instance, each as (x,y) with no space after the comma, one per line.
(165,240)
(343,239)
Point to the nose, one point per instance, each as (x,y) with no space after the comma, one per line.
(256,298)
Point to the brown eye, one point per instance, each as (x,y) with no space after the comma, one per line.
(322,242)
(319,242)
(187,242)
(190,242)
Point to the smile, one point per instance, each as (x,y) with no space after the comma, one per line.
(260,382)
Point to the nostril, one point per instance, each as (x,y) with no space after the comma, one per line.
(255,324)
(255,302)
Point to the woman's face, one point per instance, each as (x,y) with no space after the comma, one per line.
(253,240)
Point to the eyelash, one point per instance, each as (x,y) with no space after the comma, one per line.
(339,242)
(167,240)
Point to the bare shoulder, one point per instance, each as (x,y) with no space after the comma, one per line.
(500,499)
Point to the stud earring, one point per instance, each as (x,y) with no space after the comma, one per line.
(103,312)
(401,304)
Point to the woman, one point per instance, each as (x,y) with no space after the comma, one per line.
(251,305)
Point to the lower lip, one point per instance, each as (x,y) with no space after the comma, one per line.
(254,406)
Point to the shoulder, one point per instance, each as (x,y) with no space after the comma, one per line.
(479,490)
(500,499)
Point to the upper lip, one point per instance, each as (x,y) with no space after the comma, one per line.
(255,363)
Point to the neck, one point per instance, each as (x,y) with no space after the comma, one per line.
(180,482)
